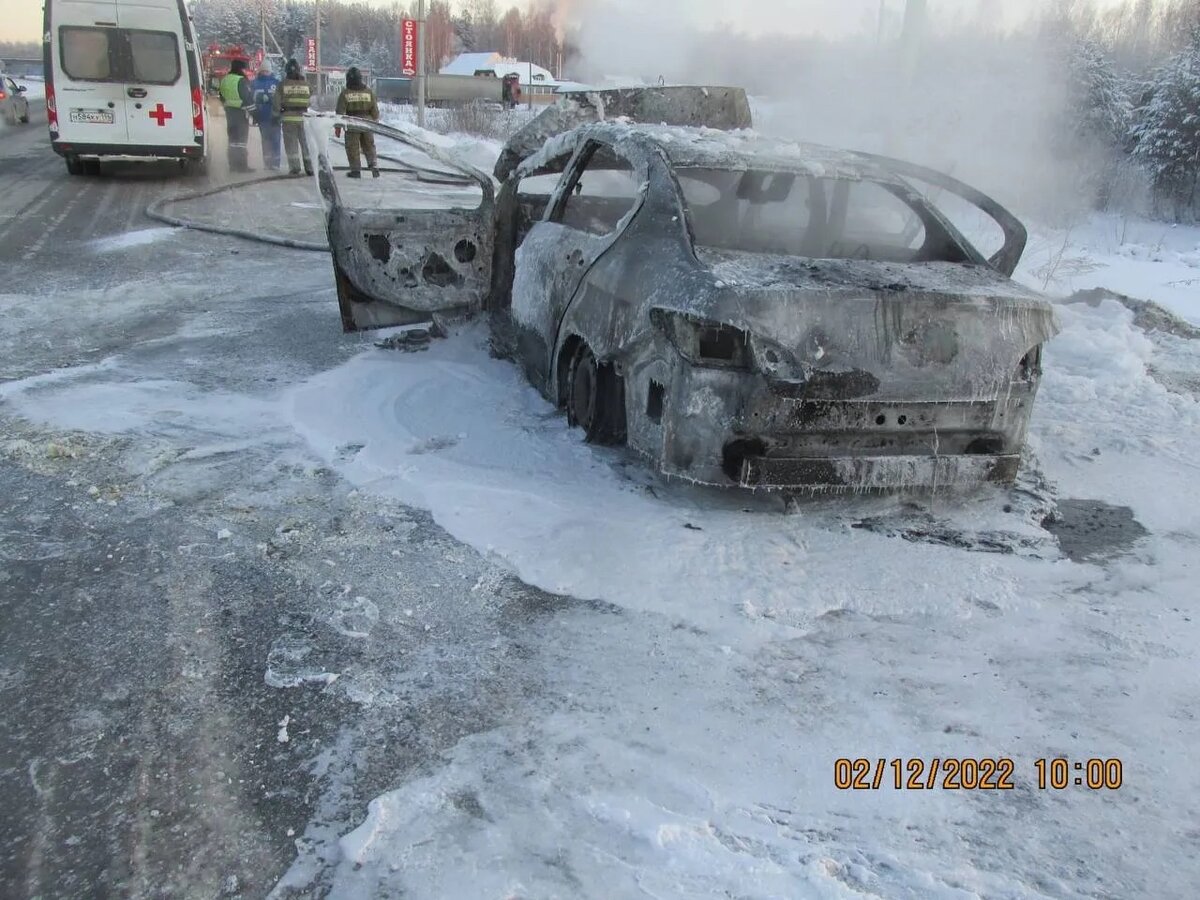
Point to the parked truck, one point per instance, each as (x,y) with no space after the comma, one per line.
(452,90)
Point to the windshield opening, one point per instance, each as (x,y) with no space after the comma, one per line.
(787,213)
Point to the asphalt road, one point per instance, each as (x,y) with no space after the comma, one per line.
(148,583)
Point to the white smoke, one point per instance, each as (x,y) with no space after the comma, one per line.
(980,96)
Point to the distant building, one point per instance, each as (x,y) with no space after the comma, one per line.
(534,78)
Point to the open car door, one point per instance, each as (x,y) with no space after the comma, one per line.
(413,243)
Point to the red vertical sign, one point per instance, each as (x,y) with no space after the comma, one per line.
(310,47)
(408,47)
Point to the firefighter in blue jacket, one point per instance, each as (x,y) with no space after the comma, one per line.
(264,87)
(237,99)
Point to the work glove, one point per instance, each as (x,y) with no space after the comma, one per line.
(337,131)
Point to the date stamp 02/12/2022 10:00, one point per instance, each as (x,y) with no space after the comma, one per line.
(973,774)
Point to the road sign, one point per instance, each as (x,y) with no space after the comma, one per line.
(408,47)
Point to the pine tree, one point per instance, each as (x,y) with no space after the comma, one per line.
(1167,133)
(352,54)
(1098,96)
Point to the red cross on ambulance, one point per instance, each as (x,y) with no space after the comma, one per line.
(160,115)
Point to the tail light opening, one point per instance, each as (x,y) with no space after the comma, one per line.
(1031,364)
(51,109)
(197,112)
(705,343)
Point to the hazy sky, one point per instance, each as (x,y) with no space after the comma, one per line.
(21,19)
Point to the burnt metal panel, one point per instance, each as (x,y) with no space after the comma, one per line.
(399,266)
(723,108)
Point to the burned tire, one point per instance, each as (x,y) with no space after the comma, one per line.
(595,398)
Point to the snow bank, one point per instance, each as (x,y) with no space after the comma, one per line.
(1138,257)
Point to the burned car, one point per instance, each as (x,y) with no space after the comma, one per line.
(738,310)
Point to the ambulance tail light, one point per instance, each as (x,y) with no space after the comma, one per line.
(51,109)
(197,112)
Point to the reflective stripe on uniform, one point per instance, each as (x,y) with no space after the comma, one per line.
(358,101)
(296,96)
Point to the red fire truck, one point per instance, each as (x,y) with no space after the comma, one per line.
(218,59)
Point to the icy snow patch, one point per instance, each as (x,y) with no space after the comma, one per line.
(132,239)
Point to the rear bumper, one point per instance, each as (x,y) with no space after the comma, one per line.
(877,473)
(738,429)
(131,152)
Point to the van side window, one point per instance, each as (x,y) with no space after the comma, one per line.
(87,54)
(155,57)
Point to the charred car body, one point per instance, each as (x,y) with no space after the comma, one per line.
(740,311)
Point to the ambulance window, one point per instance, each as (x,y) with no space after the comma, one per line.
(85,53)
(155,57)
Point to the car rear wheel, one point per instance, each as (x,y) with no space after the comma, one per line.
(595,398)
(75,165)
(91,167)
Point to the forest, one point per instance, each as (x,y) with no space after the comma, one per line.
(368,36)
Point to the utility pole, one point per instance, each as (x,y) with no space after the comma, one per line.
(319,91)
(421,30)
(915,19)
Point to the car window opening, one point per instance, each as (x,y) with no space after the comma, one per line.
(791,214)
(601,195)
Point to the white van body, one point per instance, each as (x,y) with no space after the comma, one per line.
(123,81)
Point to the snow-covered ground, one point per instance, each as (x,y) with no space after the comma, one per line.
(1130,255)
(696,758)
(717,653)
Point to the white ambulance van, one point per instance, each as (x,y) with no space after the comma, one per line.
(123,81)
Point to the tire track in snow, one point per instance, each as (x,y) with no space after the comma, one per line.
(31,208)
(53,224)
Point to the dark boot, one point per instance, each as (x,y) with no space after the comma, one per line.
(354,173)
(374,171)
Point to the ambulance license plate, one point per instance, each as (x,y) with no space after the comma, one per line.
(92,116)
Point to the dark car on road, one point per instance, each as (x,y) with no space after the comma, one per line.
(738,310)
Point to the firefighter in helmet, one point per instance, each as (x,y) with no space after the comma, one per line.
(291,102)
(357,101)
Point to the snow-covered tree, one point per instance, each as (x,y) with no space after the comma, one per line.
(352,54)
(1097,118)
(1167,133)
(1099,102)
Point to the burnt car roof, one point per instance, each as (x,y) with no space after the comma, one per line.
(694,105)
(744,149)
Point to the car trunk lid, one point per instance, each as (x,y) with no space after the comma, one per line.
(860,329)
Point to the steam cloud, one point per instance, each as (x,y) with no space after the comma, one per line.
(974,98)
